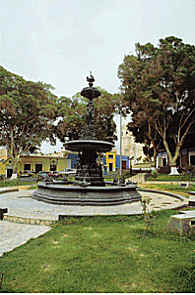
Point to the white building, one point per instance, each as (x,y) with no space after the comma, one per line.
(131,148)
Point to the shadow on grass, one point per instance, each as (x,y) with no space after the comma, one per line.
(186,279)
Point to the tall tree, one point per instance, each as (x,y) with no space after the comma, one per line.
(159,85)
(144,133)
(27,114)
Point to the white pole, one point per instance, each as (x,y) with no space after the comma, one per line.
(120,142)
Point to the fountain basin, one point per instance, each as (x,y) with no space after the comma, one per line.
(75,195)
(89,145)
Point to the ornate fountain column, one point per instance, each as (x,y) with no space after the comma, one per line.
(88,169)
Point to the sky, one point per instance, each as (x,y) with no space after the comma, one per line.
(60,41)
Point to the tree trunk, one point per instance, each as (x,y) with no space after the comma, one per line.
(14,176)
(15,166)
(173,170)
(155,156)
(172,159)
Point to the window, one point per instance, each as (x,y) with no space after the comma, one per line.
(27,166)
(53,167)
(110,156)
(38,167)
(192,160)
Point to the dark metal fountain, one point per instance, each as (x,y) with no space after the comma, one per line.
(89,187)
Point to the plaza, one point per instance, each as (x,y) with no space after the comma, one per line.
(28,218)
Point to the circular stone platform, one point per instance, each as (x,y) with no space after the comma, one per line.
(22,208)
(85,196)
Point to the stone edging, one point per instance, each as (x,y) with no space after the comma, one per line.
(8,190)
(27,220)
(163,193)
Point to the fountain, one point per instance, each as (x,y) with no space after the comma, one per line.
(89,187)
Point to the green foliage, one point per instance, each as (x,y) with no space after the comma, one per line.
(72,112)
(154,173)
(145,202)
(27,114)
(158,85)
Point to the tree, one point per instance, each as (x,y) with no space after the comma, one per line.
(159,86)
(144,133)
(27,114)
(72,112)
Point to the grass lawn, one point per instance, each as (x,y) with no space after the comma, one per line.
(174,188)
(166,177)
(103,254)
(15,182)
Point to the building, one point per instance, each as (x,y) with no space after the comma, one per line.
(57,162)
(186,157)
(130,148)
(111,162)
(38,162)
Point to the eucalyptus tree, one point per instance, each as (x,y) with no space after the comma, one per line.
(27,113)
(158,84)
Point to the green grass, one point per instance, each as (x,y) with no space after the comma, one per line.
(168,187)
(103,254)
(15,182)
(166,177)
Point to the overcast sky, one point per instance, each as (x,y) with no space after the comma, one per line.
(60,41)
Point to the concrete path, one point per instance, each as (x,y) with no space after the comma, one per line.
(22,209)
(13,235)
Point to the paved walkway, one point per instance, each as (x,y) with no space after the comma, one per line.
(22,209)
(13,235)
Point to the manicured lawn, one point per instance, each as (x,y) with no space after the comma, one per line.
(174,188)
(103,254)
(15,182)
(166,177)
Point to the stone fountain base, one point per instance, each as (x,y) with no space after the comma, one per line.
(75,195)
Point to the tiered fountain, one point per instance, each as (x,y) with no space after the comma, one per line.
(89,187)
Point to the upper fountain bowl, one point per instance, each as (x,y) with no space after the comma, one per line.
(90,92)
(90,145)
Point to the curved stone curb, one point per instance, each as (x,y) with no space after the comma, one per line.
(184,201)
(163,193)
(40,220)
(8,190)
(31,221)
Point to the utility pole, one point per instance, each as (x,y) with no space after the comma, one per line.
(121,141)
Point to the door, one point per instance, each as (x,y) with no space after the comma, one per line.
(38,168)
(164,162)
(124,165)
(9,172)
(110,167)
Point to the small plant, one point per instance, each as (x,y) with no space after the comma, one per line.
(145,202)
(154,174)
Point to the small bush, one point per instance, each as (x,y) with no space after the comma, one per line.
(154,174)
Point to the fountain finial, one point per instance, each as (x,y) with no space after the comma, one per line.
(90,79)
